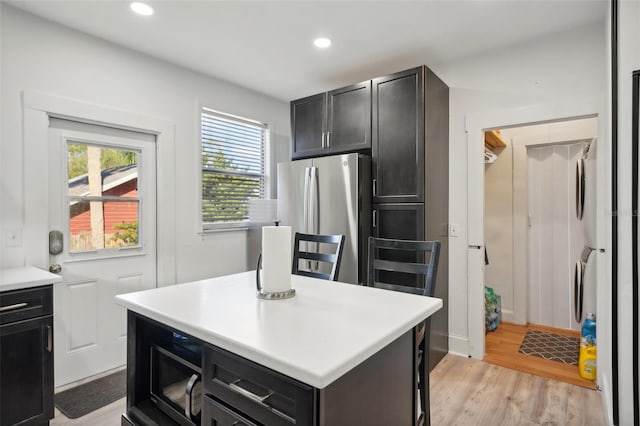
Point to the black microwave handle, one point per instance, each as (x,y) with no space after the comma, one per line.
(188,406)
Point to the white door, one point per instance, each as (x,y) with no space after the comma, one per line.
(102,191)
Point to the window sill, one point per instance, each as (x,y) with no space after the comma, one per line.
(212,231)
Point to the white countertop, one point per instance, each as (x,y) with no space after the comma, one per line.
(26,277)
(317,336)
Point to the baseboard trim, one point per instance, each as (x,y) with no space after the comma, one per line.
(458,345)
(507,316)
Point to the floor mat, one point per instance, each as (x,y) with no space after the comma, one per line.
(88,397)
(551,346)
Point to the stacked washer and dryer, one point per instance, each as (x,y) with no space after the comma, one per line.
(585,275)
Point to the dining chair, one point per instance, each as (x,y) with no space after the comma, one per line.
(319,254)
(402,265)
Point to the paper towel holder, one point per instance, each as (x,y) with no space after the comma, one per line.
(278,295)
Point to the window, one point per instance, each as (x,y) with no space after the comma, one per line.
(103,200)
(233,168)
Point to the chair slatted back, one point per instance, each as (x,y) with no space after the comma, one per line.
(313,256)
(429,269)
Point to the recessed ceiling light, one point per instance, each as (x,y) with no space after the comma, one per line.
(322,42)
(141,8)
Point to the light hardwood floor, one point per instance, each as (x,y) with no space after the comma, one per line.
(465,391)
(468,392)
(501,347)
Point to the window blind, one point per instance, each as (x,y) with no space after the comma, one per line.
(233,168)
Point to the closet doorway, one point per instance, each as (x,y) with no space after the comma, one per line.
(534,239)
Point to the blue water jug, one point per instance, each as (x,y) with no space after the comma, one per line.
(589,330)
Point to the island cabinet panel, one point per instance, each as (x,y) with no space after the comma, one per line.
(234,391)
(380,391)
(330,123)
(255,391)
(217,414)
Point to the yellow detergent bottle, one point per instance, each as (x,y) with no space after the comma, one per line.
(587,358)
(587,362)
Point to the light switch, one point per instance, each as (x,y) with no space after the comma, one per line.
(454,230)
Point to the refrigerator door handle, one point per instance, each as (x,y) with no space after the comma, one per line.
(314,210)
(305,204)
(305,210)
(314,205)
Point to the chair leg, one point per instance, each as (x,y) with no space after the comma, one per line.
(423,369)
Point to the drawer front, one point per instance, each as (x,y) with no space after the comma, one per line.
(216,414)
(18,305)
(256,391)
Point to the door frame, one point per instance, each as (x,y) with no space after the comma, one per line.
(475,126)
(36,109)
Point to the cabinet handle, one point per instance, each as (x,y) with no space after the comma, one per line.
(328,139)
(375,218)
(375,187)
(12,307)
(323,144)
(242,391)
(49,338)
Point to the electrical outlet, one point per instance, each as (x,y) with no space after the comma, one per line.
(454,230)
(13,237)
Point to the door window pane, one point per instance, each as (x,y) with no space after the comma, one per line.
(103,199)
(103,224)
(97,171)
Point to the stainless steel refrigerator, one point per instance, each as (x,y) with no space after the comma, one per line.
(330,195)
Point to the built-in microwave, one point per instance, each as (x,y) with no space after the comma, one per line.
(176,379)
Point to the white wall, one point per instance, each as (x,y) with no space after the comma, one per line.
(566,68)
(629,61)
(42,56)
(498,226)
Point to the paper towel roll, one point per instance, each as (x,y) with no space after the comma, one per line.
(276,259)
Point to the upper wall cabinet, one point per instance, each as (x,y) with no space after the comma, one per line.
(331,123)
(410,136)
(398,137)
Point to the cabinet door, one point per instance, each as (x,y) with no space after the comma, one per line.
(399,222)
(349,118)
(216,414)
(26,371)
(308,124)
(398,137)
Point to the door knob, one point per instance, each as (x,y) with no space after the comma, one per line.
(55,268)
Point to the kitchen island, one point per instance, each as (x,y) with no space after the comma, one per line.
(333,354)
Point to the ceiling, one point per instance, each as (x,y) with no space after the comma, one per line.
(267,45)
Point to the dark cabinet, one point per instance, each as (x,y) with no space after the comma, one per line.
(400,221)
(217,414)
(410,173)
(26,356)
(308,123)
(255,391)
(237,391)
(332,123)
(398,137)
